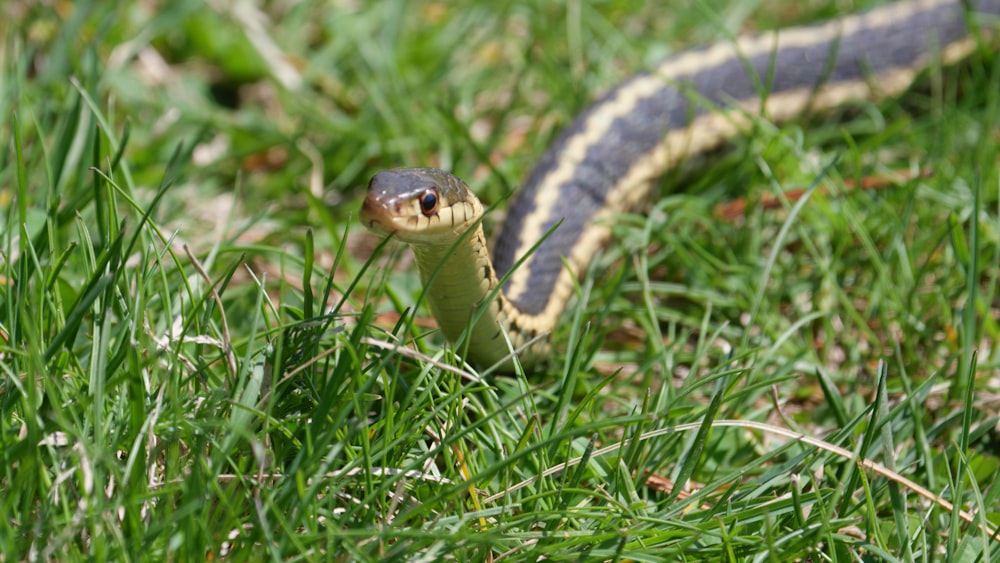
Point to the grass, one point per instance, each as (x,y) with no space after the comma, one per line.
(197,339)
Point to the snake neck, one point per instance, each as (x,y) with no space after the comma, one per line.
(460,283)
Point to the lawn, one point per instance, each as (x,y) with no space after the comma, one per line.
(204,355)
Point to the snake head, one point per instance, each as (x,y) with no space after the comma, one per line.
(419,205)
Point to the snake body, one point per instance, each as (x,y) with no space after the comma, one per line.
(608,160)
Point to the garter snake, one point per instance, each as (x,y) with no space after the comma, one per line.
(608,159)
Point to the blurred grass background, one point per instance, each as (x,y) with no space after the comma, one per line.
(193,327)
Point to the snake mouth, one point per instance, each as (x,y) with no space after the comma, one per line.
(395,217)
(388,216)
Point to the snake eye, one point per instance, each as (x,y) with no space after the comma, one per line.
(429,203)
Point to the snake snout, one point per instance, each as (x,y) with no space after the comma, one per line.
(375,215)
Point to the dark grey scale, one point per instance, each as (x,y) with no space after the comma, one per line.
(537,297)
(632,136)
(629,139)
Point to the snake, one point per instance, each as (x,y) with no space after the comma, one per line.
(499,307)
